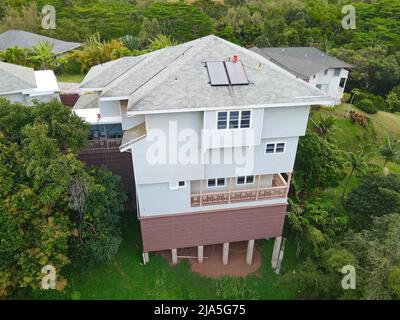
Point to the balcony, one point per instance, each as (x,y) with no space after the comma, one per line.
(265,187)
(104,143)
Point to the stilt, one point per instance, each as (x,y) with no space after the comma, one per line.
(174,256)
(250,249)
(275,253)
(145,257)
(225,253)
(200,257)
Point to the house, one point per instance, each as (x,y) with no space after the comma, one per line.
(327,73)
(212,129)
(24,39)
(23,84)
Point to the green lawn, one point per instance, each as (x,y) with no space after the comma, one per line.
(65,77)
(126,278)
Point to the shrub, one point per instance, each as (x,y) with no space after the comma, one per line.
(378,101)
(359,118)
(367,106)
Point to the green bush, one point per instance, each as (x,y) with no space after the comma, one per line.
(367,106)
(378,101)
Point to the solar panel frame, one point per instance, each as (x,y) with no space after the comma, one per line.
(217,73)
(236,73)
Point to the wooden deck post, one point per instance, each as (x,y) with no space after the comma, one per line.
(225,253)
(250,249)
(145,257)
(288,183)
(200,257)
(275,253)
(174,256)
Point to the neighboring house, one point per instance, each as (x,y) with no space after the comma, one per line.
(24,39)
(23,84)
(327,73)
(211,99)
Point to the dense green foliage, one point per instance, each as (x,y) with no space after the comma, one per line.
(53,210)
(367,106)
(319,163)
(376,195)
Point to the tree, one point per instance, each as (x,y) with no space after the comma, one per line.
(376,195)
(42,56)
(374,253)
(389,151)
(54,210)
(356,160)
(319,162)
(161,41)
(15,55)
(393,101)
(183,22)
(325,125)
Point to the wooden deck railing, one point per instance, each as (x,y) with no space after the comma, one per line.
(279,189)
(104,143)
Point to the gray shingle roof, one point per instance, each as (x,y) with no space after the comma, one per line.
(16,78)
(175,78)
(301,61)
(87,101)
(24,39)
(101,75)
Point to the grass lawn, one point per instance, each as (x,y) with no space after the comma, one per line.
(126,278)
(65,77)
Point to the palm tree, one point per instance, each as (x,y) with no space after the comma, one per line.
(42,56)
(325,125)
(357,161)
(389,151)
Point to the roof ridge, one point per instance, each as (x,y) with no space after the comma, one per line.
(15,75)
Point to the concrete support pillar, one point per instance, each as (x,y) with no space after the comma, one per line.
(174,253)
(250,249)
(225,253)
(200,257)
(275,253)
(145,257)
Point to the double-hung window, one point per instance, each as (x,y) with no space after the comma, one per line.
(233,119)
(216,182)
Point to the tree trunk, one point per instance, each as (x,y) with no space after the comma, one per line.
(347,183)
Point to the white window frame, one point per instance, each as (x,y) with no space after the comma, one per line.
(245,180)
(275,145)
(228,118)
(326,71)
(216,185)
(175,185)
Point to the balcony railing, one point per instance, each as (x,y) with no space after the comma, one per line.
(110,143)
(279,189)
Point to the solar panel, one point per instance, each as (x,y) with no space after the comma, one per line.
(236,73)
(217,73)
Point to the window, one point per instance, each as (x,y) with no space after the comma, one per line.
(322,87)
(245,119)
(181,183)
(270,148)
(326,71)
(245,180)
(103,131)
(277,147)
(216,182)
(233,119)
(280,147)
(222,120)
(177,185)
(337,72)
